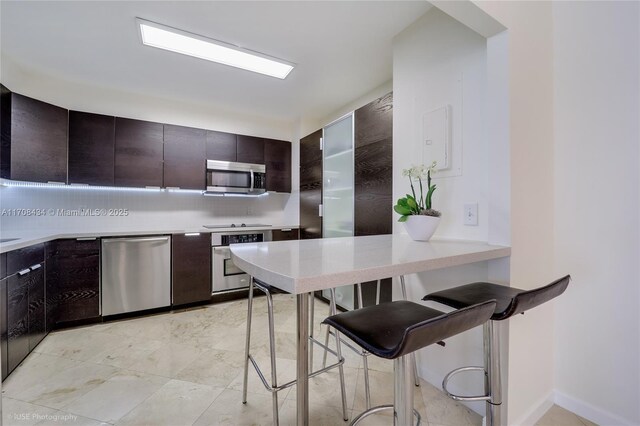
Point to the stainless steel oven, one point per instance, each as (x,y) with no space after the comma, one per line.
(240,178)
(225,275)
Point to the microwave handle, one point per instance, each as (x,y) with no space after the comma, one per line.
(252,180)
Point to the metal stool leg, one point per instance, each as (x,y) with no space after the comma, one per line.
(493,379)
(402,392)
(334,310)
(312,299)
(247,342)
(365,362)
(272,353)
(416,379)
(327,332)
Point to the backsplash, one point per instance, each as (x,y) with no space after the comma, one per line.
(70,209)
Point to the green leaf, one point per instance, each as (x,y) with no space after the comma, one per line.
(402,210)
(403,202)
(428,197)
(403,218)
(412,204)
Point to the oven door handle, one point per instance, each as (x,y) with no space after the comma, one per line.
(224,250)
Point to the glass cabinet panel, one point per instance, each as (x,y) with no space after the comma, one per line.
(337,186)
(338,190)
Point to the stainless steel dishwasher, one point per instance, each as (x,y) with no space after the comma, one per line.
(136,274)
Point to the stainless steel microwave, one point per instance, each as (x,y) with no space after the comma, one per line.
(239,178)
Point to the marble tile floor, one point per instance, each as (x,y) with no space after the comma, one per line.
(185,368)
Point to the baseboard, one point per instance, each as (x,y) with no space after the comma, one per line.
(589,411)
(536,412)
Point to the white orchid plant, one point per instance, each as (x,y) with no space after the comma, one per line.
(412,205)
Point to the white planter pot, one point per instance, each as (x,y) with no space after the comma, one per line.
(421,228)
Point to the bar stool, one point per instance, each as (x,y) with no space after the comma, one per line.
(363,353)
(510,301)
(273,387)
(394,331)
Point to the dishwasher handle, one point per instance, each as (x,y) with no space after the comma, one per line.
(134,240)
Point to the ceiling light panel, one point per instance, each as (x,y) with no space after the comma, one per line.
(167,38)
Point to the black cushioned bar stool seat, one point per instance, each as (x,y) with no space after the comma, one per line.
(510,301)
(394,330)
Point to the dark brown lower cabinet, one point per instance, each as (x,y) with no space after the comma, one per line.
(17,319)
(3,327)
(285,234)
(36,309)
(191,271)
(73,281)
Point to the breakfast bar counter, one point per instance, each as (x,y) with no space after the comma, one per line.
(304,266)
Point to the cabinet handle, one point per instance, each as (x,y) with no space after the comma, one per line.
(56,182)
(286,230)
(135,240)
(78,184)
(86,239)
(24,272)
(34,267)
(172,188)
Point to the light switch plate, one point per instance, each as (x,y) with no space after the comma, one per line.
(471,214)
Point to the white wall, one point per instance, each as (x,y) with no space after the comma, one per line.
(596,80)
(591,99)
(438,61)
(181,210)
(147,210)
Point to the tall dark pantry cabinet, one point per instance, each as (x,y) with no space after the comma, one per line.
(372,181)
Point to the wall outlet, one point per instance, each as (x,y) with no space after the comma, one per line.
(471,214)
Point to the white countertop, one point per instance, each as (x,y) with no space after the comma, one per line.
(309,265)
(29,238)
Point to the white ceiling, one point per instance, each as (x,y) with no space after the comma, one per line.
(342,49)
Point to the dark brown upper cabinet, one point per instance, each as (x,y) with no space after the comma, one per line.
(310,186)
(91,148)
(373,174)
(277,159)
(221,146)
(138,153)
(184,157)
(191,268)
(250,149)
(34,139)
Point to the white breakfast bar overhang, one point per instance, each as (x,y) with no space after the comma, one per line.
(300,267)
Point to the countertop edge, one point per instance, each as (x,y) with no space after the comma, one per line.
(43,237)
(314,283)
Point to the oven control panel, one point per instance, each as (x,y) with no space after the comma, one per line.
(227,238)
(242,238)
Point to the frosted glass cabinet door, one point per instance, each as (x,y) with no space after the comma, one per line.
(337,187)
(337,190)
